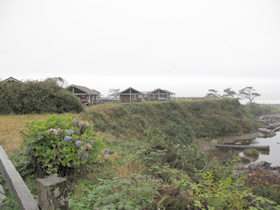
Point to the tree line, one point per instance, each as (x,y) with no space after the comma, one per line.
(248,93)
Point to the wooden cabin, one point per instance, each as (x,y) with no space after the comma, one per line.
(85,93)
(160,95)
(131,95)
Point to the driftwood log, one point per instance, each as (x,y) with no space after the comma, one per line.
(229,146)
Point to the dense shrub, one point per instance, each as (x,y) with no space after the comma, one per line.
(60,145)
(180,133)
(251,152)
(222,125)
(159,151)
(36,97)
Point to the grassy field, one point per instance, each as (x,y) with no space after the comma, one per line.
(11,125)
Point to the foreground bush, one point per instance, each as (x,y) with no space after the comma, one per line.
(60,145)
(36,97)
(265,184)
(123,193)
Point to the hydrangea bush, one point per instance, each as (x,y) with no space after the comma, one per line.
(60,144)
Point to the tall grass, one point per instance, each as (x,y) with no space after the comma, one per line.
(10,127)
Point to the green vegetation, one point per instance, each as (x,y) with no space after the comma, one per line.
(59,145)
(259,110)
(181,122)
(251,152)
(265,184)
(132,192)
(158,157)
(36,97)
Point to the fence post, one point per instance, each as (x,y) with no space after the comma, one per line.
(53,194)
(16,183)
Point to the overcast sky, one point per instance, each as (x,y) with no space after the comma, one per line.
(186,47)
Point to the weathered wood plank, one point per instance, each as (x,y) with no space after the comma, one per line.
(230,146)
(16,183)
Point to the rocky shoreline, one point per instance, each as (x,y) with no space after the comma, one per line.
(271,124)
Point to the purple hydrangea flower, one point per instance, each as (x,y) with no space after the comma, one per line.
(85,156)
(78,143)
(106,151)
(79,152)
(67,138)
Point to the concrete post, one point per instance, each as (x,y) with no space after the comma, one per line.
(52,192)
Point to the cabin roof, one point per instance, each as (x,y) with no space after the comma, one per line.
(85,89)
(132,89)
(11,79)
(161,90)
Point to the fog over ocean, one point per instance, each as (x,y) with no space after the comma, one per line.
(272,99)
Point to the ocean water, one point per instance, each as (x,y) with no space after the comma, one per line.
(268,99)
